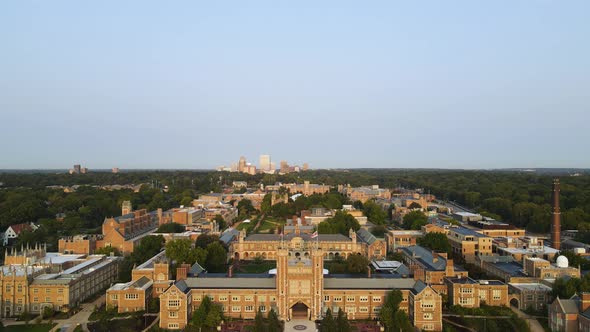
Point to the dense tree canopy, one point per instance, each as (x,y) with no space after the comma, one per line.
(414,220)
(436,241)
(341,223)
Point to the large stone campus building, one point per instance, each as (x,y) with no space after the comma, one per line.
(300,289)
(264,246)
(32,279)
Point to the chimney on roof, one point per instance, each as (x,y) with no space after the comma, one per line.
(182,272)
(450,268)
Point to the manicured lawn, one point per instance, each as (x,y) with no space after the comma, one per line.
(268,225)
(29,328)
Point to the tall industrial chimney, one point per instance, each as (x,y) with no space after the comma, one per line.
(556,217)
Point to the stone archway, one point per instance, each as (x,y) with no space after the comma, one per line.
(237,256)
(299,311)
(515,302)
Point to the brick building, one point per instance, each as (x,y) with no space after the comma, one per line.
(299,290)
(130,296)
(431,267)
(470,293)
(32,279)
(333,245)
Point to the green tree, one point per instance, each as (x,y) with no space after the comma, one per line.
(205,239)
(245,208)
(216,257)
(414,205)
(374,212)
(342,324)
(180,251)
(171,228)
(259,325)
(328,323)
(436,241)
(414,220)
(220,222)
(274,324)
(357,264)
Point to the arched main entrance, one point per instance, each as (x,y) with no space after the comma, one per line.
(514,303)
(299,311)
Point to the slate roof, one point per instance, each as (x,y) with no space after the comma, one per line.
(196,269)
(568,306)
(366,236)
(305,237)
(182,286)
(366,283)
(229,235)
(424,256)
(231,283)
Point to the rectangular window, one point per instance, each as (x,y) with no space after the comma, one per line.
(197,298)
(131,296)
(236,308)
(36,300)
(173,325)
(235,298)
(222,298)
(428,316)
(350,299)
(326,298)
(174,303)
(211,297)
(351,310)
(466,290)
(376,298)
(249,298)
(337,299)
(262,308)
(363,309)
(47,290)
(466,301)
(497,294)
(261,298)
(363,298)
(377,309)
(60,291)
(8,289)
(48,299)
(19,288)
(249,308)
(173,314)
(114,297)
(36,290)
(427,305)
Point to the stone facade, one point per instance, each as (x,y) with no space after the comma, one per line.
(33,279)
(300,290)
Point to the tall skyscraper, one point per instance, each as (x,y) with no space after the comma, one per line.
(556,217)
(265,162)
(242,164)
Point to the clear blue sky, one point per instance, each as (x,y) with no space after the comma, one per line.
(139,84)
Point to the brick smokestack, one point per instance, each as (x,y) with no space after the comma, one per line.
(556,217)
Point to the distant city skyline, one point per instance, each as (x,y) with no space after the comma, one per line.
(141,85)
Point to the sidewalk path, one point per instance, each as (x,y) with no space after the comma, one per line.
(79,318)
(534,324)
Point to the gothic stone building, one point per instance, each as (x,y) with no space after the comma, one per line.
(301,289)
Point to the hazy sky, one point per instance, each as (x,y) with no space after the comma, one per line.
(169,84)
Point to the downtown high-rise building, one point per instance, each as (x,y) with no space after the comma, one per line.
(265,162)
